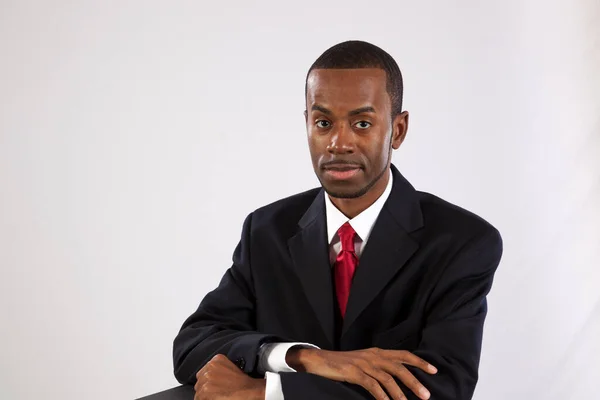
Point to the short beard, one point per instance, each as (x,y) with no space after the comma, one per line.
(361,192)
(365,189)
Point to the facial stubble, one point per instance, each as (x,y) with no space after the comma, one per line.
(369,185)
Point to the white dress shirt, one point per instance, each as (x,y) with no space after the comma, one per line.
(272,355)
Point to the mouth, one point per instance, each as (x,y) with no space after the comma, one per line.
(341,171)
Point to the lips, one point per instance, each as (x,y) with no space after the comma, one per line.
(342,171)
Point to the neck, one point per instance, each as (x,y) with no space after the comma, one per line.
(352,207)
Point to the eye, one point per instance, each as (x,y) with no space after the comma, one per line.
(323,124)
(363,124)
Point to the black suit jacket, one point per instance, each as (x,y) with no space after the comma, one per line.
(420,285)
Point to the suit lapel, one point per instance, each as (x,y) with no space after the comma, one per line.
(385,254)
(310,255)
(388,248)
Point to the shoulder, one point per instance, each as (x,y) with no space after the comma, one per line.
(448,219)
(285,212)
(455,234)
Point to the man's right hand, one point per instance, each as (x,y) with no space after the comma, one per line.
(374,369)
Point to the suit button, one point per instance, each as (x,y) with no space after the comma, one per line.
(240,362)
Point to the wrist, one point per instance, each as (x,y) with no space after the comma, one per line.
(299,358)
(258,391)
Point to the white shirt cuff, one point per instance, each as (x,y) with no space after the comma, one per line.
(273,390)
(272,356)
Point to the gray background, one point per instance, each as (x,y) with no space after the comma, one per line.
(136,136)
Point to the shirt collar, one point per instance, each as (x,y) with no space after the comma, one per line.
(362,223)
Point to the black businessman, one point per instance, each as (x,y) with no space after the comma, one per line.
(362,288)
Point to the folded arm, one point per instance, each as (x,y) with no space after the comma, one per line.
(224,321)
(450,341)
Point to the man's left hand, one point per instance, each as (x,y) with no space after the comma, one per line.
(220,379)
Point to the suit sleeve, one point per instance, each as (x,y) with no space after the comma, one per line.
(450,340)
(224,322)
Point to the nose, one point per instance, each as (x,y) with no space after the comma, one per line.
(341,140)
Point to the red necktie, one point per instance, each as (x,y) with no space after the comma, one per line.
(345,265)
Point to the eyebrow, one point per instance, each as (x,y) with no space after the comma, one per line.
(360,110)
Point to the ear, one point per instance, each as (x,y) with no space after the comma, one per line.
(399,129)
(305,116)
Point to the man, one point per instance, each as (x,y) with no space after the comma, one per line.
(364,288)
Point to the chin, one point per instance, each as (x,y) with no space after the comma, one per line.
(344,191)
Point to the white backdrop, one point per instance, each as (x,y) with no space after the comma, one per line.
(136,136)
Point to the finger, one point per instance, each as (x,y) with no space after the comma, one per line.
(406,377)
(369,383)
(201,376)
(199,384)
(197,394)
(388,381)
(199,381)
(408,358)
(222,361)
(218,358)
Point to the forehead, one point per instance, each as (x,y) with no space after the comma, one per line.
(347,87)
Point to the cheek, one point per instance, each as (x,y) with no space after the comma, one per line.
(316,143)
(313,148)
(376,149)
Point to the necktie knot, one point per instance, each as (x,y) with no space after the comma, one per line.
(347,235)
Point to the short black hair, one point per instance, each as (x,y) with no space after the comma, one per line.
(359,54)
